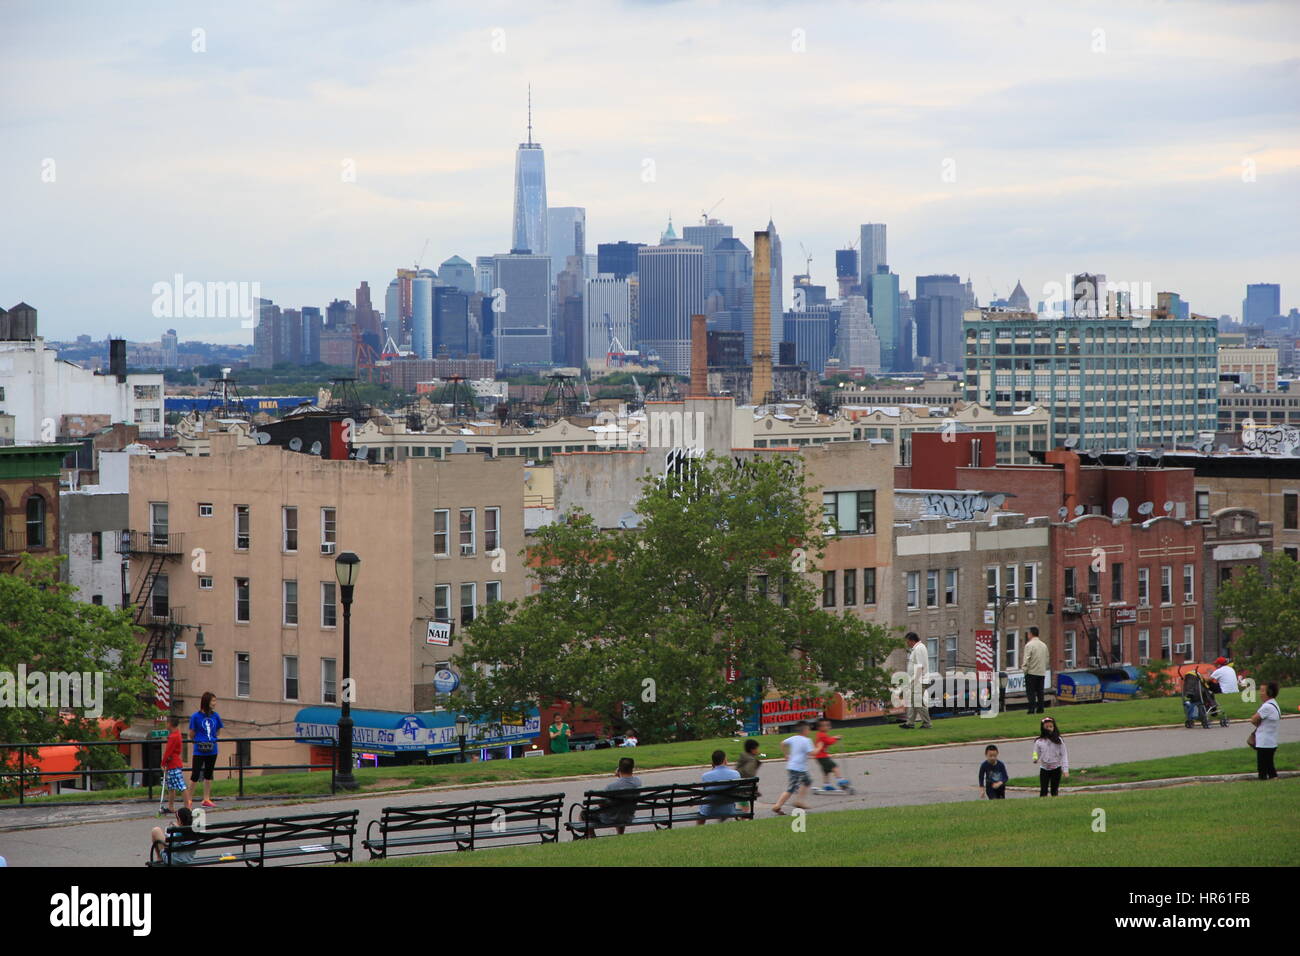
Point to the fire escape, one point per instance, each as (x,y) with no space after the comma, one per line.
(154,612)
(1099,651)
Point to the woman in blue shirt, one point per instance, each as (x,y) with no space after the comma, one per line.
(204,727)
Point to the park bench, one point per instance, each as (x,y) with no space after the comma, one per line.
(253,842)
(464,825)
(661,806)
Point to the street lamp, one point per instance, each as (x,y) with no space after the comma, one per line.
(462,731)
(1000,603)
(347,568)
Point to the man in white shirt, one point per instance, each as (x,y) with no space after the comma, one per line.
(918,661)
(796,750)
(1225,676)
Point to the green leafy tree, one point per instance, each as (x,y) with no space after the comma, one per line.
(1153,678)
(45,629)
(1267,609)
(642,625)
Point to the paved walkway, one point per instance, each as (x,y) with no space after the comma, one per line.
(119,835)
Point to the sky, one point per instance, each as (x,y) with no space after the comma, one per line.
(307,146)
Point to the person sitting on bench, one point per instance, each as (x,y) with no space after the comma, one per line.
(185,822)
(619,813)
(720,810)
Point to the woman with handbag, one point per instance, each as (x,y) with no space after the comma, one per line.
(204,727)
(1264,737)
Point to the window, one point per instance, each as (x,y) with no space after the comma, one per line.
(1117,582)
(205,656)
(913,588)
(850,587)
(442,603)
(1290,517)
(1166,584)
(158,523)
(241,528)
(828,589)
(291,603)
(1009,583)
(205,583)
(290,678)
(1189,638)
(1292,553)
(1166,642)
(1071,588)
(97,599)
(441,520)
(1189,583)
(849,512)
(329,690)
(289,522)
(950,652)
(868,585)
(242,608)
(492,592)
(932,588)
(950,586)
(1069,651)
(1029,581)
(243,674)
(1011,643)
(990,585)
(466,531)
(97,546)
(931,654)
(1094,584)
(328,531)
(468,600)
(205,509)
(159,596)
(1144,587)
(491,529)
(1202,505)
(1144,646)
(329,609)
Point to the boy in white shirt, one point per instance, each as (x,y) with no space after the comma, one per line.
(796,750)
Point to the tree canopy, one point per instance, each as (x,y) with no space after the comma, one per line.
(1267,609)
(645,625)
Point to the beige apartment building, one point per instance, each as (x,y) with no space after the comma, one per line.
(247,537)
(1255,366)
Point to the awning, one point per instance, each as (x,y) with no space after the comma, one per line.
(388,731)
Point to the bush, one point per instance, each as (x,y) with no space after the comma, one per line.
(1153,679)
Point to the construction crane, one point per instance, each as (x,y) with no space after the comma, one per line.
(807,262)
(420,258)
(704,214)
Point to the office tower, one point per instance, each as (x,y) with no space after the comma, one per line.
(522,310)
(311,324)
(607,305)
(707,236)
(1093,373)
(857,345)
(169,349)
(451,325)
(907,330)
(871,249)
(572,354)
(941,301)
(1263,302)
(807,293)
(885,316)
(777,287)
(404,279)
(728,303)
(1018,300)
(566,235)
(810,331)
(458,273)
(1087,295)
(846,271)
(422,316)
(671,285)
(567,306)
(393,309)
(529,234)
(1172,304)
(617,258)
(761,356)
(726,349)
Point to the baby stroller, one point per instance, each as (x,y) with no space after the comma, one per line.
(1199,702)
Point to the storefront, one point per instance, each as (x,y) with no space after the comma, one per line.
(390,738)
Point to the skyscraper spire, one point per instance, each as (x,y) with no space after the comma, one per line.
(530,114)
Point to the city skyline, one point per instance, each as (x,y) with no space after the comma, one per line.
(160,158)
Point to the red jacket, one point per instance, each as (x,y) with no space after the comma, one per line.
(172,755)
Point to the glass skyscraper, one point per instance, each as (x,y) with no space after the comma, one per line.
(530,195)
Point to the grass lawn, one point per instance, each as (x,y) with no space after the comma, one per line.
(1072,719)
(1259,820)
(1237,760)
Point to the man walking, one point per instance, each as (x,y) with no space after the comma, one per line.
(918,661)
(796,749)
(1035,670)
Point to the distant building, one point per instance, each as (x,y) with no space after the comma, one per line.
(566,235)
(459,274)
(872,251)
(618,259)
(671,278)
(607,305)
(522,314)
(1263,302)
(530,223)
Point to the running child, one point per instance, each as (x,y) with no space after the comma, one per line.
(822,751)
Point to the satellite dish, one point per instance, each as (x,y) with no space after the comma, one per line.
(1062,513)
(1130,457)
(1223,449)
(262,438)
(1120,508)
(1156,453)
(1169,506)
(295,444)
(1078,510)
(1072,441)
(1146,508)
(459,447)
(315,448)
(362,453)
(1095,452)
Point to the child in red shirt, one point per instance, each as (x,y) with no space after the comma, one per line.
(173,773)
(821,750)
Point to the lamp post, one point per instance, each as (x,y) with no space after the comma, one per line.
(347,568)
(462,731)
(1000,603)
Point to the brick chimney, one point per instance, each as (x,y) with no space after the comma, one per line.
(699,357)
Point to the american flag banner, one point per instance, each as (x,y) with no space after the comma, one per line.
(983,651)
(162,685)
